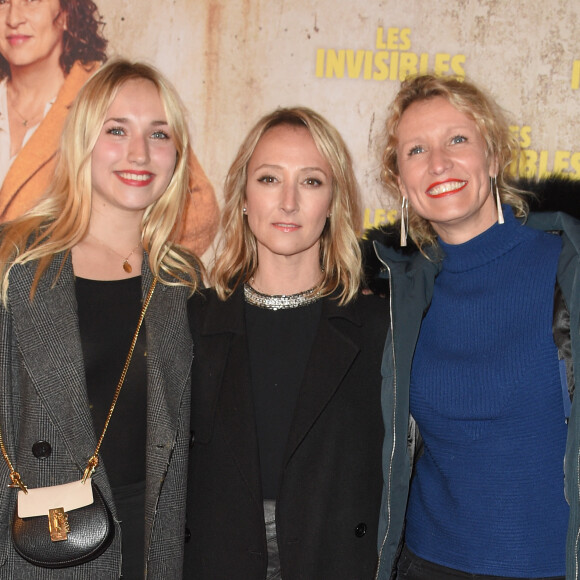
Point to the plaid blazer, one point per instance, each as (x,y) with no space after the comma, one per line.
(43,397)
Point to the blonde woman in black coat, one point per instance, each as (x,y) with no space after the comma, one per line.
(284,475)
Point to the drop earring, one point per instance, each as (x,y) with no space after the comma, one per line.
(404,220)
(495,191)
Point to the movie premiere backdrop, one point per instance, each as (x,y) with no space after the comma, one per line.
(235,60)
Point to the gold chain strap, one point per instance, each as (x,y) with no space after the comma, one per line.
(14,475)
(94,460)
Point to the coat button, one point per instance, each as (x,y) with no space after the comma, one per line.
(191,438)
(41,449)
(360,530)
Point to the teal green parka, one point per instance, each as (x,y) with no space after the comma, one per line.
(411,278)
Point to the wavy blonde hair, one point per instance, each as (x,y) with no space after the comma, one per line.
(489,118)
(61,218)
(340,257)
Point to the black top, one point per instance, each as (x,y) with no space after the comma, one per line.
(279,342)
(108,313)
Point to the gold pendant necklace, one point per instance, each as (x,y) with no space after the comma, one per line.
(126,265)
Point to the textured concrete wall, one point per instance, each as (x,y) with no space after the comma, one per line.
(234,60)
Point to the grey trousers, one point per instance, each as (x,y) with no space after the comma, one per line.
(274,572)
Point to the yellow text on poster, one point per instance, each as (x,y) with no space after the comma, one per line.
(576,74)
(537,164)
(391,60)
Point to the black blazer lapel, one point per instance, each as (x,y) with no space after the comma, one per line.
(214,325)
(221,379)
(238,416)
(333,353)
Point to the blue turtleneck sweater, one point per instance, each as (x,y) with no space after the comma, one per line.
(488,495)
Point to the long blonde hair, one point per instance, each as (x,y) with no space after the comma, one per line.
(61,219)
(340,257)
(493,126)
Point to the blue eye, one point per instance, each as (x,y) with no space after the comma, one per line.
(160,135)
(117,131)
(458,139)
(415,150)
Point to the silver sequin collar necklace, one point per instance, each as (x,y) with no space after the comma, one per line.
(280,301)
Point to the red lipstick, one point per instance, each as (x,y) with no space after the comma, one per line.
(135,178)
(447,187)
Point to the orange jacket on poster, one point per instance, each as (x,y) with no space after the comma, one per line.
(32,170)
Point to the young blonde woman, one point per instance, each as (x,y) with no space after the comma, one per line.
(77,273)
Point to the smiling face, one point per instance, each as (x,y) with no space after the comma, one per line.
(134,157)
(444,170)
(31,32)
(288,196)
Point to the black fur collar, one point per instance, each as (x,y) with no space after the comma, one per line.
(555,193)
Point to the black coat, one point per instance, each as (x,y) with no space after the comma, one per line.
(330,492)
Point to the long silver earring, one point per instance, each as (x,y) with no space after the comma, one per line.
(404,220)
(495,191)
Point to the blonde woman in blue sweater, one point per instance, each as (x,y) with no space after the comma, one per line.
(471,369)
